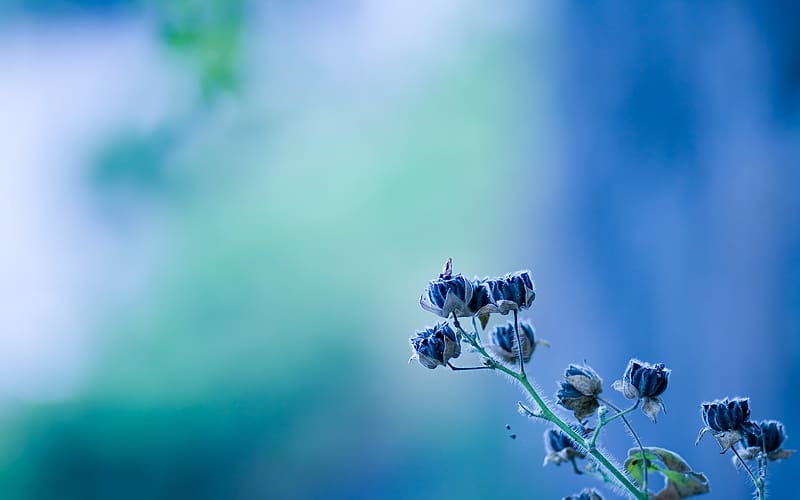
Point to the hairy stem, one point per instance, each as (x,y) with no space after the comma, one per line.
(605,421)
(621,414)
(548,414)
(519,344)
(461,368)
(759,484)
(596,453)
(475,327)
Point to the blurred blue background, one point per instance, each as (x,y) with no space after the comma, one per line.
(217,217)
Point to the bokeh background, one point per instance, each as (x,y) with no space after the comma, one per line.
(217,217)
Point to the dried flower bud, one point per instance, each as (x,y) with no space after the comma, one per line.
(771,436)
(766,436)
(504,341)
(579,390)
(560,447)
(435,346)
(446,295)
(726,415)
(481,303)
(586,494)
(645,382)
(726,420)
(511,292)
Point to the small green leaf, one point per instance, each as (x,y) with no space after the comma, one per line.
(682,481)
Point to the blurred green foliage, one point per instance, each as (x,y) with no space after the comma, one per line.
(209,34)
(266,357)
(134,160)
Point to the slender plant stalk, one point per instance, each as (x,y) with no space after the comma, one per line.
(621,413)
(475,328)
(605,421)
(519,345)
(552,417)
(759,484)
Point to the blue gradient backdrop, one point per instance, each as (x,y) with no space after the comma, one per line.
(217,218)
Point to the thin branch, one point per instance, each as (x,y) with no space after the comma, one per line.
(633,433)
(756,482)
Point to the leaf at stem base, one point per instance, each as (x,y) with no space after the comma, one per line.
(681,480)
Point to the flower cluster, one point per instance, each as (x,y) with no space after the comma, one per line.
(726,420)
(451,294)
(729,422)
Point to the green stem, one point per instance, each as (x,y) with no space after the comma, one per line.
(635,437)
(519,345)
(605,421)
(756,482)
(548,414)
(475,327)
(596,453)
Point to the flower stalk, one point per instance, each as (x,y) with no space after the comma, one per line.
(509,347)
(757,482)
(605,421)
(621,414)
(548,414)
